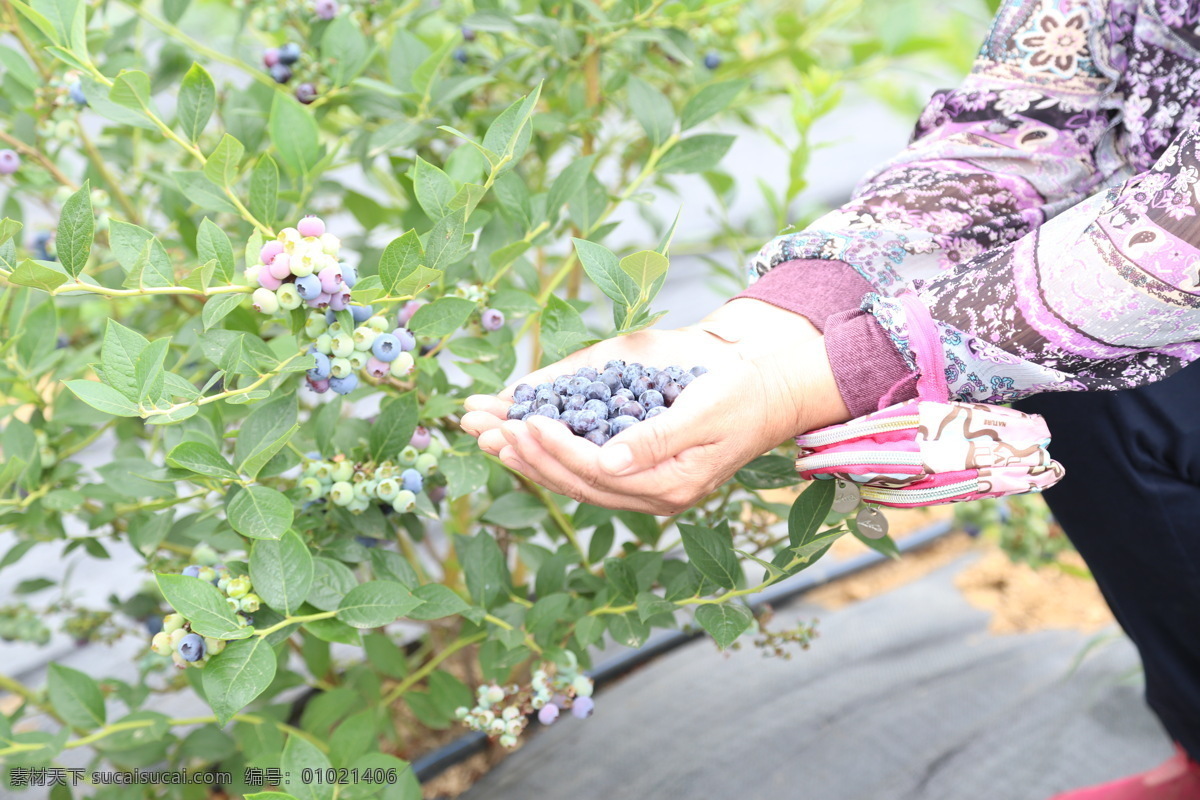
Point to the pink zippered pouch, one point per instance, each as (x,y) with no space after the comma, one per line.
(930,450)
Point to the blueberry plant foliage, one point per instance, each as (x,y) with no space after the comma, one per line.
(326,570)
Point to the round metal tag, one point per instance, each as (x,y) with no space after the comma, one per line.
(846,497)
(872,523)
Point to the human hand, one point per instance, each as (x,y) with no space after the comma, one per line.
(741,408)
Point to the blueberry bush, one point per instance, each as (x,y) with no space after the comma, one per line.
(253,256)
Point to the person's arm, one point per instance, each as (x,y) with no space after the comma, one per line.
(1105,296)
(1024,137)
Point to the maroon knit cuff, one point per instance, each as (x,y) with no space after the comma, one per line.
(814,288)
(866,365)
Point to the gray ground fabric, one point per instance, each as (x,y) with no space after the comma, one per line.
(905,696)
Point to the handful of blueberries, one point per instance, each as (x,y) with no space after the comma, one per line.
(599,404)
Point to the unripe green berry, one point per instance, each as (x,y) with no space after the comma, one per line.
(235,605)
(161,643)
(359,505)
(343,345)
(324,344)
(508,740)
(324,471)
(213,646)
(303,266)
(427,463)
(315,325)
(312,489)
(340,367)
(497,727)
(238,588)
(510,713)
(172,623)
(582,685)
(404,501)
(364,337)
(362,490)
(207,574)
(343,471)
(264,300)
(461,712)
(178,659)
(250,603)
(435,448)
(358,359)
(203,553)
(409,455)
(379,324)
(334,328)
(288,297)
(176,636)
(495,694)
(387,489)
(341,493)
(402,366)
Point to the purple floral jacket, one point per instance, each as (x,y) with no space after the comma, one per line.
(1046,211)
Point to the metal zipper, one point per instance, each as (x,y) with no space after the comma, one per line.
(919,496)
(891,458)
(855,431)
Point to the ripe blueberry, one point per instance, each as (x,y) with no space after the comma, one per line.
(615,363)
(468,34)
(547,410)
(578,385)
(632,409)
(596,436)
(192,570)
(654,412)
(76,92)
(583,422)
(412,481)
(408,341)
(587,372)
(386,347)
(289,53)
(597,390)
(561,383)
(519,410)
(344,385)
(360,313)
(321,370)
(460,55)
(191,647)
(685,379)
(670,393)
(712,60)
(349,276)
(698,371)
(597,407)
(612,379)
(320,387)
(547,714)
(523,393)
(281,73)
(574,402)
(660,378)
(308,287)
(270,57)
(492,319)
(651,398)
(640,385)
(548,396)
(620,423)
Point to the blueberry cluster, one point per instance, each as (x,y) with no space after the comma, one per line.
(504,711)
(490,319)
(176,639)
(301,266)
(375,347)
(281,61)
(599,404)
(396,484)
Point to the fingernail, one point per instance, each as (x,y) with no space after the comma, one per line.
(616,459)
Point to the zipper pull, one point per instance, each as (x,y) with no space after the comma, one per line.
(871,523)
(846,496)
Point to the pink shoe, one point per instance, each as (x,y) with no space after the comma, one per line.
(1178,778)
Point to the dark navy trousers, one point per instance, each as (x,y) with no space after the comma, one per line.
(1130,502)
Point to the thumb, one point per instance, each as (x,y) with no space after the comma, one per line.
(654,441)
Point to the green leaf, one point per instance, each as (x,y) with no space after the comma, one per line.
(400,261)
(644,267)
(118,356)
(218,307)
(38,274)
(237,675)
(197,101)
(711,552)
(563,331)
(628,629)
(344,49)
(439,601)
(516,510)
(148,372)
(260,512)
(433,188)
(391,566)
(603,268)
(212,244)
(376,603)
(621,577)
(263,432)
(568,183)
(711,100)
(651,605)
(394,427)
(222,166)
(76,697)
(652,109)
(442,317)
(202,604)
(447,241)
(131,89)
(696,153)
(724,621)
(464,474)
(768,472)
(9,228)
(331,580)
(197,187)
(76,230)
(486,573)
(104,398)
(294,133)
(200,458)
(300,756)
(809,511)
(264,190)
(510,133)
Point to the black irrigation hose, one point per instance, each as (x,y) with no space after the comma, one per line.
(433,764)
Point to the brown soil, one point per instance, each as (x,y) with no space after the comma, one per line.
(1022,598)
